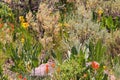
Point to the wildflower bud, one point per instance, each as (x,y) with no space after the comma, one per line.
(20,76)
(100,11)
(22,40)
(104,67)
(53,65)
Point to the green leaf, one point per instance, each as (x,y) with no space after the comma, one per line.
(98,50)
(35,63)
(53,54)
(74,51)
(91,48)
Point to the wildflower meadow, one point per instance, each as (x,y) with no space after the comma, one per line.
(59,39)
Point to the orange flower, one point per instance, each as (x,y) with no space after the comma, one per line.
(24,78)
(20,76)
(95,65)
(1,25)
(12,26)
(53,65)
(47,69)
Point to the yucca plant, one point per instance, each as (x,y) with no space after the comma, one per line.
(24,51)
(27,58)
(97,51)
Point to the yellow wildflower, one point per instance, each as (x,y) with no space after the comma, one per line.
(66,25)
(25,25)
(104,67)
(100,11)
(59,24)
(22,40)
(21,18)
(10,14)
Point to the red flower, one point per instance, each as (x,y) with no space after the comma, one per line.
(24,78)
(46,69)
(95,65)
(20,76)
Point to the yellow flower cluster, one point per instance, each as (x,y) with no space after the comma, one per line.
(64,24)
(100,11)
(23,23)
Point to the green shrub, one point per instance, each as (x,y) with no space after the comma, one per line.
(6,13)
(78,67)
